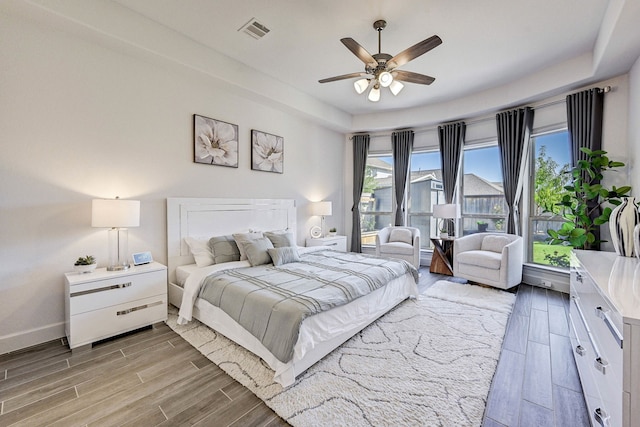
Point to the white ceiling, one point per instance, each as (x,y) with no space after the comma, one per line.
(486,44)
(495,53)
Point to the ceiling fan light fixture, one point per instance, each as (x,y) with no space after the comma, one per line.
(396,87)
(374,94)
(361,85)
(385,78)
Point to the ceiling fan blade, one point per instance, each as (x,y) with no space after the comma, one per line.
(342,77)
(414,51)
(410,77)
(359,51)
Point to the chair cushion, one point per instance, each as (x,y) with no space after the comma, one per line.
(494,243)
(396,248)
(402,235)
(487,259)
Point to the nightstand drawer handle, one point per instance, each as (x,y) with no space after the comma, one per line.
(606,317)
(140,307)
(106,288)
(332,244)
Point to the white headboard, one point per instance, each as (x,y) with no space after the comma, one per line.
(208,217)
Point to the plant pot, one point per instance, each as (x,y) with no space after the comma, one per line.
(85,268)
(332,233)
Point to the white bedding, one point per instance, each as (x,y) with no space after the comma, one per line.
(319,334)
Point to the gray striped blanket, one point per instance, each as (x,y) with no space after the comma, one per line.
(271,302)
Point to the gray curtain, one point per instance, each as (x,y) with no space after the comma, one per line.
(360,153)
(402,145)
(514,134)
(451,137)
(584,121)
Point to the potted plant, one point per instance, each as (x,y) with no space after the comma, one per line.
(482,226)
(586,197)
(332,231)
(85,264)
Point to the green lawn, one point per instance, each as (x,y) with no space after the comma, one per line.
(540,251)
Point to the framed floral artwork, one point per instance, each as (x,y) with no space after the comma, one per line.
(267,152)
(215,142)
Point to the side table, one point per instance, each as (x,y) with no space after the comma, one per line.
(442,259)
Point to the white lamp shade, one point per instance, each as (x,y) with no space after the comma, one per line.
(115,213)
(385,78)
(396,87)
(322,208)
(361,85)
(449,210)
(374,94)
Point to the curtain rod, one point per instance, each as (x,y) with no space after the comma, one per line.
(605,89)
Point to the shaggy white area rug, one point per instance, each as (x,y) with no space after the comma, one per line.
(429,361)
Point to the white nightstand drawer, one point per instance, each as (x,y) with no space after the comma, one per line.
(95,325)
(337,243)
(109,292)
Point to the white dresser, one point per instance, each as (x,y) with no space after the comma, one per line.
(605,318)
(107,303)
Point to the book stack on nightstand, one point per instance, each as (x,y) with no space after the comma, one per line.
(105,303)
(338,243)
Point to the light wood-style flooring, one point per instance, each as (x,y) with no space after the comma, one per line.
(154,377)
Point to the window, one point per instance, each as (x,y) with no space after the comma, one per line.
(551,162)
(483,205)
(425,190)
(376,203)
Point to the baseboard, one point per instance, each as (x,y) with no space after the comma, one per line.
(548,278)
(24,339)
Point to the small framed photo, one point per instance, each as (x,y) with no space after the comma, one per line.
(215,142)
(142,258)
(267,152)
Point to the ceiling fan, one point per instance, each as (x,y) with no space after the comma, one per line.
(380,68)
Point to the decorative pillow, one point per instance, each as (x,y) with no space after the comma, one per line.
(284,255)
(201,251)
(257,251)
(224,249)
(280,239)
(241,238)
(401,235)
(494,243)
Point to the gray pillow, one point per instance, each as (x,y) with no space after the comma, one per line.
(402,235)
(242,238)
(280,239)
(284,255)
(256,251)
(224,249)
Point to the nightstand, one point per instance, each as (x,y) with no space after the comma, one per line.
(442,258)
(338,243)
(106,303)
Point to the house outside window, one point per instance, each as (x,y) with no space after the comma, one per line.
(484,207)
(376,203)
(551,162)
(425,190)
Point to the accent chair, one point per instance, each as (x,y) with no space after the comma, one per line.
(399,242)
(493,259)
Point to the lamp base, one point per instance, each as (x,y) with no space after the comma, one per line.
(118,267)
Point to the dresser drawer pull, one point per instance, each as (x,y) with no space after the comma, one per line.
(606,317)
(601,365)
(578,277)
(601,416)
(140,307)
(581,350)
(586,326)
(106,288)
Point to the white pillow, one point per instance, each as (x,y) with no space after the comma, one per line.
(201,251)
(494,243)
(242,238)
(402,235)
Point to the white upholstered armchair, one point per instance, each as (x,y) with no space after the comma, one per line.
(489,258)
(399,242)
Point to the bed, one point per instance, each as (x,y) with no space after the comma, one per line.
(202,218)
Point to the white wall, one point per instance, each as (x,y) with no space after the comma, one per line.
(634,130)
(80,119)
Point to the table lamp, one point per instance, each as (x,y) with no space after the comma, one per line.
(116,214)
(447,211)
(322,209)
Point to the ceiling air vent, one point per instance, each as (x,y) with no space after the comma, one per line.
(254,29)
